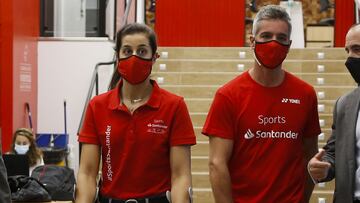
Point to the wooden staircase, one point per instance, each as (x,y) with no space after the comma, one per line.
(196,74)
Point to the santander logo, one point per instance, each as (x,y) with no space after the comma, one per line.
(271,134)
(249,134)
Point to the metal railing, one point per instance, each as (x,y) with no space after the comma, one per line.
(357,7)
(95,77)
(93,84)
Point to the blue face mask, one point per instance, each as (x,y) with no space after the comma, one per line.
(22,149)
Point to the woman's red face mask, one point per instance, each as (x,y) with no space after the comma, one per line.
(134,69)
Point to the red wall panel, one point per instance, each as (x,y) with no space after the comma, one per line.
(19,30)
(200,23)
(344,18)
(6,35)
(25,60)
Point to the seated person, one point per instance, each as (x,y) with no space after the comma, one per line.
(24,143)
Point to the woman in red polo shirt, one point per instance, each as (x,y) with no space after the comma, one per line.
(141,132)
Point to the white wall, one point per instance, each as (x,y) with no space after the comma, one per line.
(64,72)
(140,11)
(69,18)
(110,19)
(294,9)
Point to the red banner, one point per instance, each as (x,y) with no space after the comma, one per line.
(200,23)
(19,31)
(344,18)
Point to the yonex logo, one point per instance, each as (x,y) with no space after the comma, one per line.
(249,134)
(291,101)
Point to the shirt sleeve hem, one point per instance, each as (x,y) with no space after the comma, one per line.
(188,141)
(88,140)
(216,133)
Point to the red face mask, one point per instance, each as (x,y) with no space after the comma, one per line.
(271,54)
(134,69)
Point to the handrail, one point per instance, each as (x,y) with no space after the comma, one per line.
(126,15)
(95,79)
(357,7)
(94,83)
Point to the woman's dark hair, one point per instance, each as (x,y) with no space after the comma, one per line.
(130,29)
(34,153)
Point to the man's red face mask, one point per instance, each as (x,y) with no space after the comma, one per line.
(271,54)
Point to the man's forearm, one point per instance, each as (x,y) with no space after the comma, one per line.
(221,184)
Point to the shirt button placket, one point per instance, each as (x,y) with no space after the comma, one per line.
(132,125)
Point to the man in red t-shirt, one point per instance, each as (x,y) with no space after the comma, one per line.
(263,124)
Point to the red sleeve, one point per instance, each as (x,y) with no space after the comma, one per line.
(182,131)
(220,121)
(88,132)
(312,126)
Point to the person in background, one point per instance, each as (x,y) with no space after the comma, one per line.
(5,194)
(340,157)
(24,143)
(263,125)
(141,132)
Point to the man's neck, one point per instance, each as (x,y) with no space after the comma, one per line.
(267,77)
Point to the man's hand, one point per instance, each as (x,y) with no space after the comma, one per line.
(318,168)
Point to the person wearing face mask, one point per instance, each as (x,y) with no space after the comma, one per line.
(263,124)
(141,132)
(24,143)
(340,157)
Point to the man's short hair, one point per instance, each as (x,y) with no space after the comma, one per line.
(271,12)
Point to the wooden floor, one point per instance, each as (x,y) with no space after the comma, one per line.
(196,73)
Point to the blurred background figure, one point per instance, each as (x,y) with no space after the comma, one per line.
(24,143)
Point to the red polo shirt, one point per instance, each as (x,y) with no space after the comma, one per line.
(136,148)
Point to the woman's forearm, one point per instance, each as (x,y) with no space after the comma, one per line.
(180,188)
(85,189)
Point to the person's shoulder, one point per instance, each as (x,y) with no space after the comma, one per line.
(296,82)
(168,96)
(355,93)
(103,97)
(235,84)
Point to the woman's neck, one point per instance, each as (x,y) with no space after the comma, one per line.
(136,93)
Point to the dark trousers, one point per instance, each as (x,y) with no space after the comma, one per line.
(4,186)
(159,199)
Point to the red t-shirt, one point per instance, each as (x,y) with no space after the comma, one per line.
(267,125)
(136,148)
